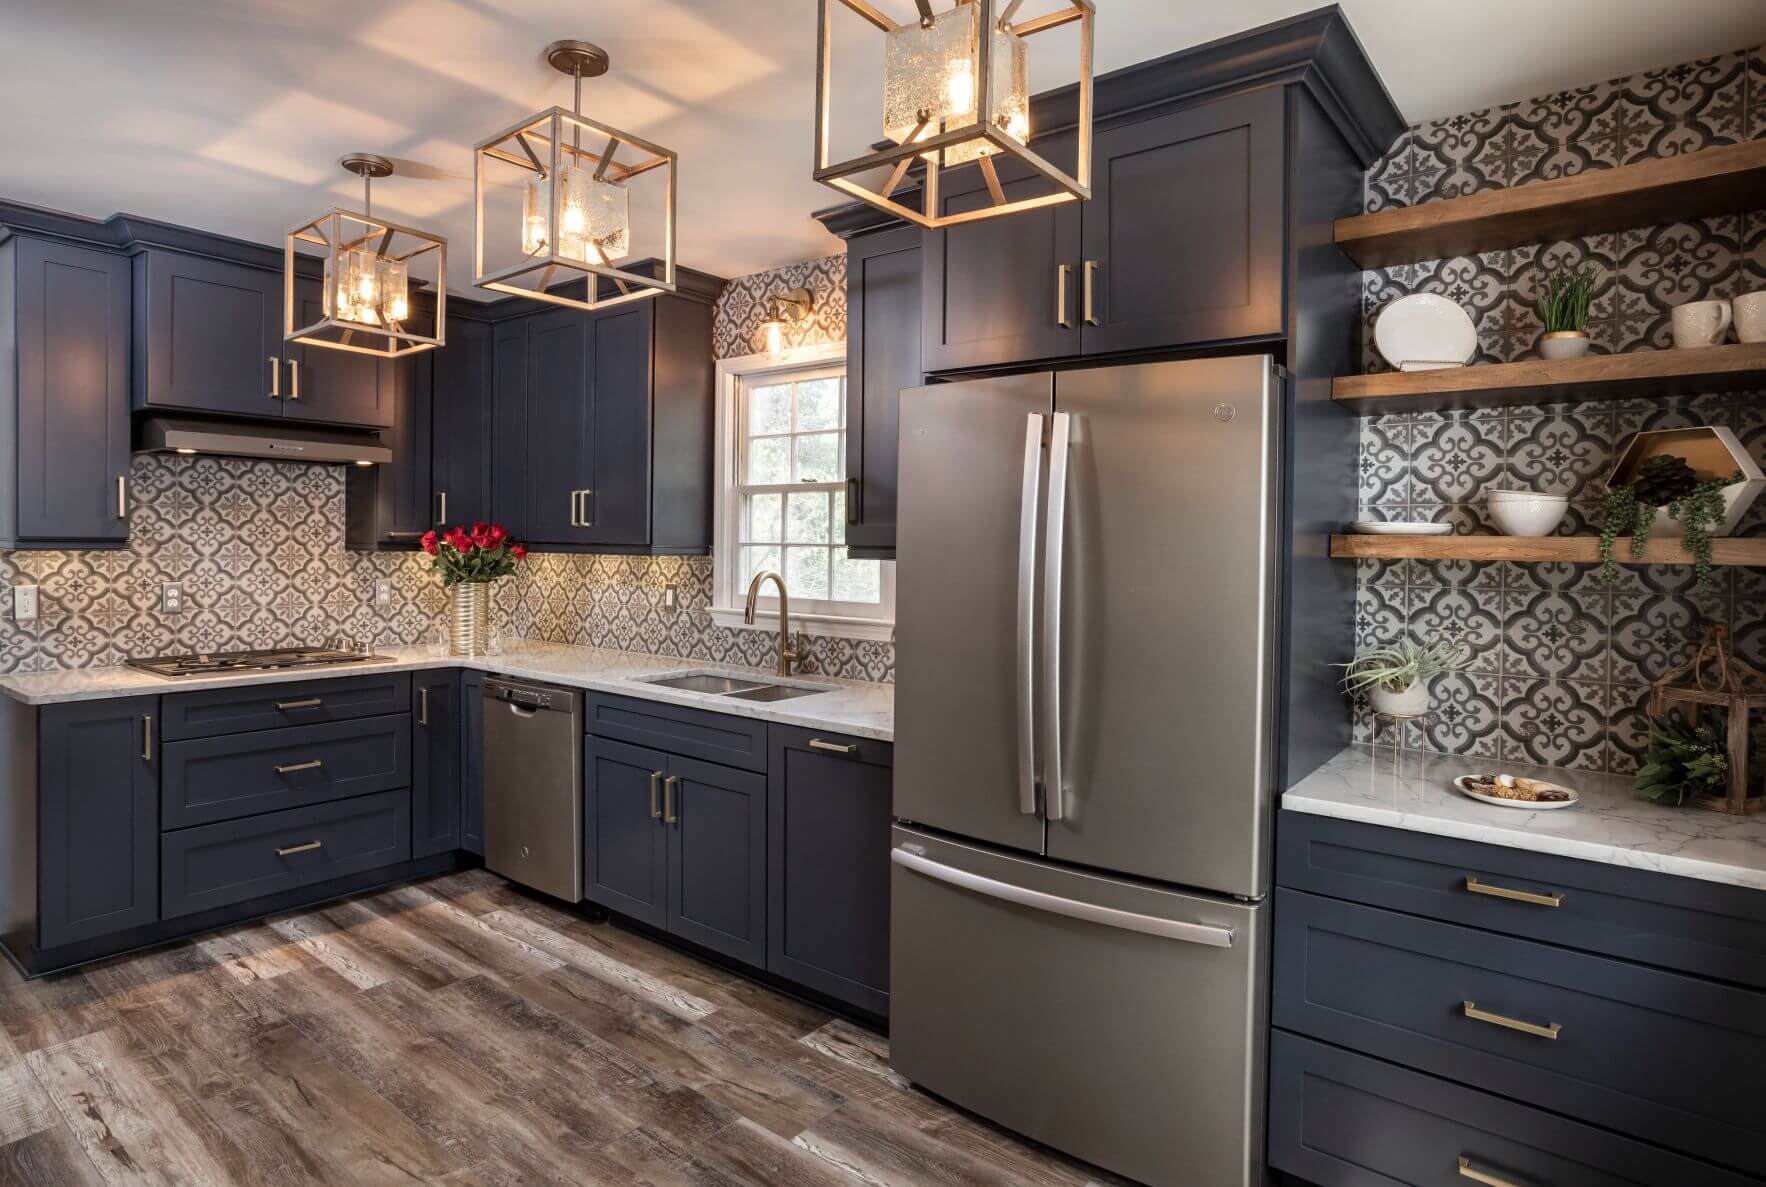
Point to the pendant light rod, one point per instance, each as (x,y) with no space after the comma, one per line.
(367,166)
(580,60)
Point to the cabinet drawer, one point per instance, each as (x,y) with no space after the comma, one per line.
(220,864)
(696,733)
(209,779)
(1677,923)
(1657,1055)
(1339,1119)
(235,710)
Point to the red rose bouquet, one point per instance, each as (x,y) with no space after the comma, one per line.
(478,556)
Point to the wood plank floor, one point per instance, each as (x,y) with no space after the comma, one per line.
(457,1031)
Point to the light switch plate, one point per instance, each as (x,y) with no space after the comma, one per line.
(171,598)
(671,596)
(24,602)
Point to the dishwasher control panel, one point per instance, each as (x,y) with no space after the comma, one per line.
(530,696)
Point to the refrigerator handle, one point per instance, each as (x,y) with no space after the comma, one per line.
(1054,532)
(1151,925)
(1027,614)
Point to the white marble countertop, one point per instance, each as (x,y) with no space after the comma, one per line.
(1610,824)
(853,707)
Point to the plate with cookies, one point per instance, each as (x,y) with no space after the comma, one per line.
(1513,791)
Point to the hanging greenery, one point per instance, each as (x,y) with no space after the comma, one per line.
(1663,481)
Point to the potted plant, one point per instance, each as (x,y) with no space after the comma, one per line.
(1665,483)
(467,563)
(1396,676)
(1564,295)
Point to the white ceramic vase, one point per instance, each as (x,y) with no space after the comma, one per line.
(1412,702)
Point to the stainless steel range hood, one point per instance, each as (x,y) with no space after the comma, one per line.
(238,438)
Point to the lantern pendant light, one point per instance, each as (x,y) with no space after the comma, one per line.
(955,92)
(365,299)
(576,210)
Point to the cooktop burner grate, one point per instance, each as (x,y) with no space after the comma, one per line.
(217,662)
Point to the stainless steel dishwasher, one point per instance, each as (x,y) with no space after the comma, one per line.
(533,785)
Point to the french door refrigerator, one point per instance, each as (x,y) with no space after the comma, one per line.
(1087,642)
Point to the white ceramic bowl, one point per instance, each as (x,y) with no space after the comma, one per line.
(1500,495)
(1529,517)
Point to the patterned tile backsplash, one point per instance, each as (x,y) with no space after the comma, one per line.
(257,548)
(1559,664)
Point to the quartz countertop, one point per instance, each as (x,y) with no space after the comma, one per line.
(852,707)
(1610,824)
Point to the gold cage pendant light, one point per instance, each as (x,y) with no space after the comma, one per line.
(371,267)
(952,97)
(576,212)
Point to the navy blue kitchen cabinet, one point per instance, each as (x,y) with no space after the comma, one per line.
(828,821)
(616,506)
(436,760)
(625,838)
(334,386)
(472,762)
(461,424)
(560,427)
(715,818)
(208,336)
(64,395)
(97,810)
(390,505)
(882,357)
(509,397)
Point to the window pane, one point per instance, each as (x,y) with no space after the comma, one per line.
(857,581)
(769,410)
(818,457)
(818,404)
(764,518)
(769,460)
(806,518)
(840,517)
(758,560)
(806,571)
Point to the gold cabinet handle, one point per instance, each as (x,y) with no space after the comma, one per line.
(294,379)
(275,378)
(1554,899)
(575,514)
(1468,1171)
(1548,1031)
(312,764)
(655,791)
(122,496)
(1088,284)
(422,706)
(588,503)
(147,738)
(669,813)
(833,747)
(1062,272)
(293,849)
(308,703)
(441,514)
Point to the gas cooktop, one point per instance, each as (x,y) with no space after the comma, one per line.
(214,663)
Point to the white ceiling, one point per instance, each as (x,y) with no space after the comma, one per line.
(230,115)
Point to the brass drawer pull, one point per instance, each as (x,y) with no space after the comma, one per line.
(655,792)
(312,764)
(1554,899)
(309,703)
(1468,1171)
(1548,1031)
(832,747)
(293,849)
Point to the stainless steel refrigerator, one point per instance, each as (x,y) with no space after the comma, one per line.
(1089,589)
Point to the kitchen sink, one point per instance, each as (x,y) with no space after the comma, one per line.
(698,682)
(772,692)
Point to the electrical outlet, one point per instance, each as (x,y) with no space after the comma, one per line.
(383,593)
(171,598)
(24,602)
(671,596)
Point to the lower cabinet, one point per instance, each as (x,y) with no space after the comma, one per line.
(625,850)
(437,755)
(828,819)
(472,762)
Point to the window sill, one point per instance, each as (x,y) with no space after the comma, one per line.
(831,625)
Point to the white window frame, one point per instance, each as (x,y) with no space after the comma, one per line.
(727,598)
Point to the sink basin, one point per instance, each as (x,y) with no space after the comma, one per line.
(772,692)
(722,685)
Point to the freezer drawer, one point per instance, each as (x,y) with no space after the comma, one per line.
(1115,1021)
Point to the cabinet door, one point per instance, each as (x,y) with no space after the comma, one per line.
(509,461)
(625,843)
(460,447)
(617,508)
(716,824)
(97,818)
(436,756)
(330,385)
(828,819)
(472,762)
(1184,232)
(882,358)
(558,426)
(993,288)
(208,336)
(390,504)
(72,335)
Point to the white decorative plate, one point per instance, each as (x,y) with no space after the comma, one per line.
(1424,332)
(1398,527)
(1465,785)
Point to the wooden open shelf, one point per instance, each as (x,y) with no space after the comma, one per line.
(1719,180)
(1581,550)
(1538,381)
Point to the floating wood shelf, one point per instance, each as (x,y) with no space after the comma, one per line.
(1720,180)
(1538,381)
(1581,550)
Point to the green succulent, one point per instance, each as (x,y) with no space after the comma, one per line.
(1564,296)
(1396,666)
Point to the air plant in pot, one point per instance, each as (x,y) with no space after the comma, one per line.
(1669,481)
(1564,295)
(1396,676)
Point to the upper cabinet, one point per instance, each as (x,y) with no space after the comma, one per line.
(334,386)
(460,437)
(883,344)
(64,395)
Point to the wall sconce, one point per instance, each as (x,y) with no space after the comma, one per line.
(783,310)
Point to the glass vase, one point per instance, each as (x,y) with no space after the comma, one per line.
(469,618)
